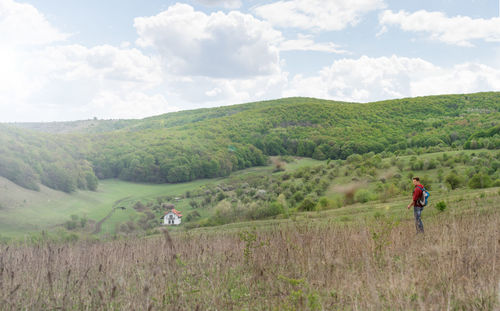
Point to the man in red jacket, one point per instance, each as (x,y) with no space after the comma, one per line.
(417,205)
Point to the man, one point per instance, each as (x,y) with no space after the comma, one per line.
(417,205)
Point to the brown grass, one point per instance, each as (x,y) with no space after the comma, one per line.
(380,265)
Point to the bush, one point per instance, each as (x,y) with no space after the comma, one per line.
(298,196)
(364,196)
(480,180)
(264,211)
(194,204)
(83,221)
(453,180)
(192,216)
(441,206)
(309,204)
(72,224)
(220,196)
(324,203)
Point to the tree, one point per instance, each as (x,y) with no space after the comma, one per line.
(480,180)
(309,204)
(453,180)
(92,181)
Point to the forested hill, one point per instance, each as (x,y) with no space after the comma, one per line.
(204,143)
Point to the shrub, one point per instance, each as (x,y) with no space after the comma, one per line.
(138,206)
(480,180)
(364,196)
(430,164)
(70,225)
(83,221)
(453,180)
(416,165)
(194,204)
(389,191)
(147,221)
(309,204)
(298,196)
(220,196)
(324,203)
(192,216)
(441,206)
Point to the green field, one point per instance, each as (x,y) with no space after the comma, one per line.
(49,209)
(25,211)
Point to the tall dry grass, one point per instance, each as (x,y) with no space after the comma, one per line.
(378,265)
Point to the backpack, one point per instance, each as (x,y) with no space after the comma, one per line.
(425,196)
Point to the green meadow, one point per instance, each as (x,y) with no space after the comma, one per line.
(25,211)
(44,213)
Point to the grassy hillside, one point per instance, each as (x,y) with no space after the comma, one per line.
(355,248)
(361,186)
(214,142)
(24,211)
(319,262)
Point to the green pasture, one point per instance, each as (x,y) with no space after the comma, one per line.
(458,201)
(24,211)
(50,213)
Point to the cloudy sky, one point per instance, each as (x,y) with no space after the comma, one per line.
(73,59)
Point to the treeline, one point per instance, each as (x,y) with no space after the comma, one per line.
(489,139)
(30,159)
(213,142)
(157,159)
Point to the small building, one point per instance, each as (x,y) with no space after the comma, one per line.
(172,217)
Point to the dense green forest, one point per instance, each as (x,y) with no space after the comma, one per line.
(30,158)
(206,143)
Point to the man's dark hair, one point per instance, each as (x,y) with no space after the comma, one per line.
(416,178)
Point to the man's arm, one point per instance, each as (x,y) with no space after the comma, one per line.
(416,195)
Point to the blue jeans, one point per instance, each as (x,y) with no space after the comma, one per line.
(417,211)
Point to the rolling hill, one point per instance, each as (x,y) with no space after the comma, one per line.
(206,143)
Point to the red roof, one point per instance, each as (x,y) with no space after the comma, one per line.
(176,212)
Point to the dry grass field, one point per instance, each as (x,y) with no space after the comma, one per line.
(377,264)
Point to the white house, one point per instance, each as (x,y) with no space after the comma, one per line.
(172,217)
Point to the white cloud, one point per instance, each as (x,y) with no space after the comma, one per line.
(364,79)
(459,30)
(228,4)
(369,79)
(306,43)
(460,79)
(317,14)
(112,105)
(200,91)
(219,45)
(69,82)
(23,24)
(101,63)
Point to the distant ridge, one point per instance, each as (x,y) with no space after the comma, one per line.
(211,142)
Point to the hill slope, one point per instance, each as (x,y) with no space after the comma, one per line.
(206,143)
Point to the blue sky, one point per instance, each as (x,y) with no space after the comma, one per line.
(69,60)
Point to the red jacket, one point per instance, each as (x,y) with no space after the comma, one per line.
(417,194)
